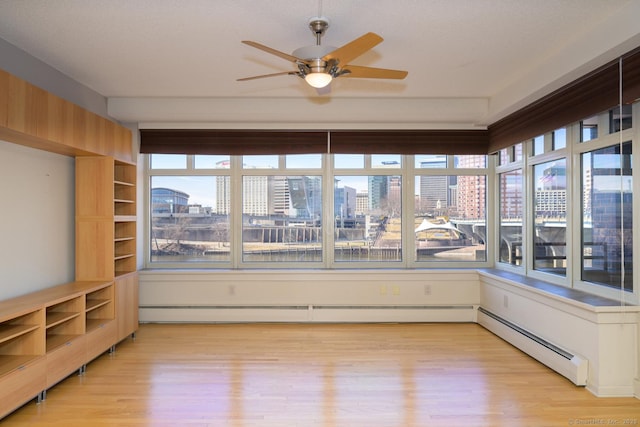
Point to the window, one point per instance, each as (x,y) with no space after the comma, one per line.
(559,138)
(550,217)
(168,161)
(620,118)
(260,162)
(537,145)
(281,218)
(470,162)
(450,218)
(450,209)
(589,129)
(393,161)
(211,162)
(316,210)
(556,140)
(303,161)
(431,161)
(595,255)
(348,161)
(606,223)
(368,218)
(510,217)
(510,155)
(189,219)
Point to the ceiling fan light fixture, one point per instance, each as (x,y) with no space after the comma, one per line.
(320,64)
(318,80)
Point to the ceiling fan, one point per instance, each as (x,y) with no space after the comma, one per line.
(319,65)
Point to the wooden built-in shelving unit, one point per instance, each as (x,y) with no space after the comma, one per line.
(108,217)
(124,207)
(49,334)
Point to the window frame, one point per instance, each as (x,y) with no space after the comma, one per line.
(605,139)
(572,152)
(508,159)
(406,171)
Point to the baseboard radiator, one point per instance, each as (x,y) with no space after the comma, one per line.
(306,313)
(571,366)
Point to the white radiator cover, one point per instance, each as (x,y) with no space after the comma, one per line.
(566,363)
(309,296)
(333,313)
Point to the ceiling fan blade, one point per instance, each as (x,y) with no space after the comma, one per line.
(272,51)
(372,73)
(353,49)
(282,73)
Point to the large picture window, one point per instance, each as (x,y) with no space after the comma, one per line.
(607,195)
(316,210)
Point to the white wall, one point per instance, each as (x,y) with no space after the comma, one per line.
(37,238)
(309,296)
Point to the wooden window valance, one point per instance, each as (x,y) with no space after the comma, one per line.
(238,142)
(591,94)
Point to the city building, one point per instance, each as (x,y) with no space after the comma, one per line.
(166,200)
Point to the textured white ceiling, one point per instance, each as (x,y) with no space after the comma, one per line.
(490,55)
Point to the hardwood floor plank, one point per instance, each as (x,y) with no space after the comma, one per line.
(328,375)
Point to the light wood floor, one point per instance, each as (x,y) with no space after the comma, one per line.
(303,375)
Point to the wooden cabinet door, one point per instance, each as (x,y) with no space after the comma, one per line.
(100,339)
(65,359)
(21,385)
(127,304)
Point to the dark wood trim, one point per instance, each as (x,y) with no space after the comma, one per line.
(233,142)
(238,142)
(410,142)
(594,93)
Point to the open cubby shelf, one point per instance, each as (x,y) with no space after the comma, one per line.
(9,332)
(42,334)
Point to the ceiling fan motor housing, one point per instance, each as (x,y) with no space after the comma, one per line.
(313,54)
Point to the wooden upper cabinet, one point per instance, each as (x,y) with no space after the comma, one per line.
(36,118)
(122,147)
(94,186)
(26,107)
